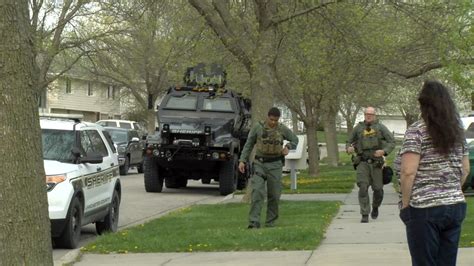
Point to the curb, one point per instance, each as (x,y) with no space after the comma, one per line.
(70,257)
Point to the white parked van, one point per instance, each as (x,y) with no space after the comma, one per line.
(120,123)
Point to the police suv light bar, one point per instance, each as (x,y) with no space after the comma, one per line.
(75,117)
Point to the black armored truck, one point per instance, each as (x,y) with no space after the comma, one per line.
(203,127)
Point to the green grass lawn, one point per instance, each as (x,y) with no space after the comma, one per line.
(223,227)
(330,180)
(341,136)
(467,233)
(340,179)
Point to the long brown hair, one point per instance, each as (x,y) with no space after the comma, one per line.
(441,117)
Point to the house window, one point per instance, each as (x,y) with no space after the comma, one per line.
(68,86)
(90,91)
(114,89)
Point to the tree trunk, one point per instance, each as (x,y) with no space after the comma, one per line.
(262,99)
(313,149)
(294,122)
(25,236)
(331,137)
(263,76)
(350,126)
(410,118)
(151,121)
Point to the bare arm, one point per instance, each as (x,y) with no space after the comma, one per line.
(409,167)
(465,169)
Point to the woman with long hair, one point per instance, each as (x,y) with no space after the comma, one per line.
(434,165)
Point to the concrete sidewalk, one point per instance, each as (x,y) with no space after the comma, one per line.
(348,242)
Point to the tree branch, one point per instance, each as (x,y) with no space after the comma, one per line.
(232,42)
(64,70)
(115,74)
(277,21)
(428,67)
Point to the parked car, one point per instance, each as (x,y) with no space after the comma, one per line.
(469,133)
(129,147)
(82,179)
(468,124)
(470,178)
(127,124)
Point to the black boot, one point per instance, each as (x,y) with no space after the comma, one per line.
(365,219)
(375,213)
(253,225)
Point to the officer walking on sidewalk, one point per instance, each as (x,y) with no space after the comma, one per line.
(269,158)
(371,141)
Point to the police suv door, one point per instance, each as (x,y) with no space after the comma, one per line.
(98,185)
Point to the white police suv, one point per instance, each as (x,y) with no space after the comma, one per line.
(82,178)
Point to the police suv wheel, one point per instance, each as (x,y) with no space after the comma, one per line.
(110,222)
(72,230)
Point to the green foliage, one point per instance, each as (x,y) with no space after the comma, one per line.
(136,114)
(223,227)
(467,232)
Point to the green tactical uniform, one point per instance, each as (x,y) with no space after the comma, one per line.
(267,167)
(369,168)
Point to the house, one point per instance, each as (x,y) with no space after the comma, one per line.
(395,123)
(92,98)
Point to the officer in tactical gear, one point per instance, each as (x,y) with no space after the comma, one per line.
(369,143)
(268,138)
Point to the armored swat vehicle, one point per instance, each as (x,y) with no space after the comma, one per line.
(202,128)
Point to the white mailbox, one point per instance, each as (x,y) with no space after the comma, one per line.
(296,159)
(298,156)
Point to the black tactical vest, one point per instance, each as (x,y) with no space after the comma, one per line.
(369,138)
(270,142)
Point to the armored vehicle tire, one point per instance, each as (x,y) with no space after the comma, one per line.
(227,176)
(72,230)
(171,182)
(125,167)
(110,222)
(153,180)
(140,167)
